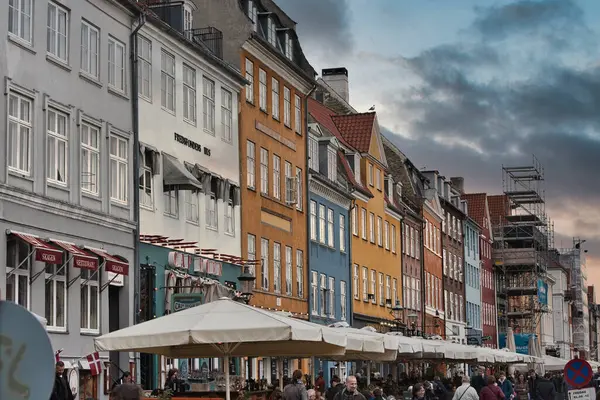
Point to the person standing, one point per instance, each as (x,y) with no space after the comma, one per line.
(336,386)
(62,389)
(350,392)
(544,389)
(296,389)
(492,391)
(320,383)
(522,388)
(465,391)
(478,381)
(506,386)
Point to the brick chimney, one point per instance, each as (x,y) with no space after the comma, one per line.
(337,78)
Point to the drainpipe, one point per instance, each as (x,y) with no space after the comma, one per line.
(141,20)
(305,206)
(350,266)
(423,288)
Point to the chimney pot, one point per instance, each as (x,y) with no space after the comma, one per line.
(337,79)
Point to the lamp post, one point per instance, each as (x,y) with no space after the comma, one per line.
(247,284)
(397,312)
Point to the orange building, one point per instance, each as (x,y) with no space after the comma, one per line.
(273,153)
(376,245)
(433,268)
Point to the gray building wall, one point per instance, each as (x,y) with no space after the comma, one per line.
(33,205)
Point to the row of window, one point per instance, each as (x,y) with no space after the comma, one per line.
(58,138)
(268,27)
(485,249)
(387,295)
(279,276)
(411,242)
(292,180)
(313,158)
(453,305)
(472,276)
(374,171)
(487,279)
(488,314)
(386,232)
(57,280)
(453,265)
(452,226)
(411,291)
(473,315)
(433,291)
(325,233)
(58,41)
(273,86)
(471,243)
(323,296)
(433,240)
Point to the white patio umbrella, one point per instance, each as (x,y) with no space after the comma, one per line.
(376,346)
(510,340)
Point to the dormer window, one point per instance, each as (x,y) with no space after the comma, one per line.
(252,13)
(357,172)
(272,32)
(187,22)
(331,164)
(313,153)
(289,46)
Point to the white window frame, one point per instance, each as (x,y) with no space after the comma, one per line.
(192,207)
(57,40)
(144,49)
(250,78)
(21,270)
(323,293)
(313,220)
(171,203)
(379,231)
(289,46)
(393,238)
(226,115)
(253,14)
(229,211)
(343,309)
(120,161)
(381,293)
(264,171)
(290,184)
(117,76)
(386,235)
(370,174)
(365,283)
(322,224)
(276,177)
(372,227)
(90,181)
(355,282)
(288,270)
(275,98)
(272,32)
(331,164)
(287,107)
(189,94)
(315,292)
(251,242)
(297,114)
(187,22)
(355,220)
(330,228)
(167,81)
(394,291)
(374,286)
(363,223)
(19,122)
(208,105)
(377,179)
(89,285)
(342,222)
(277,267)
(299,191)
(300,273)
(313,153)
(262,89)
(211,210)
(52,282)
(264,256)
(331,305)
(388,290)
(250,164)
(89,58)
(54,141)
(17,14)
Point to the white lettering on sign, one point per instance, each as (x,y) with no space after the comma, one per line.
(582,394)
(85,263)
(117,269)
(48,257)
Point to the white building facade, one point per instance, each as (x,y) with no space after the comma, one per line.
(188,113)
(66,187)
(560,313)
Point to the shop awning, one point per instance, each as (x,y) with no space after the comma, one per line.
(176,175)
(112,263)
(81,259)
(44,251)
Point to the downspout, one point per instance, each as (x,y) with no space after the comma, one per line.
(423,291)
(141,20)
(350,266)
(305,205)
(444,334)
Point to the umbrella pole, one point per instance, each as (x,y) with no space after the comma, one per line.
(280,372)
(226,366)
(368,373)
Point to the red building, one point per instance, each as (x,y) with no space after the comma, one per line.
(479,211)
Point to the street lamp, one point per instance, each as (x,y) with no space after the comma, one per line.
(397,312)
(247,284)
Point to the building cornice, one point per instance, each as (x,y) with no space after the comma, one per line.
(318,188)
(360,196)
(392,213)
(63,209)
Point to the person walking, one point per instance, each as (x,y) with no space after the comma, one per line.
(544,389)
(506,386)
(492,391)
(521,388)
(465,391)
(62,389)
(335,388)
(296,389)
(350,391)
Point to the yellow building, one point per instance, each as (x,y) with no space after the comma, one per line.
(376,245)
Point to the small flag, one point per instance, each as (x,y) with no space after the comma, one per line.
(95,363)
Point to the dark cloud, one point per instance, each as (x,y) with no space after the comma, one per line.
(323,25)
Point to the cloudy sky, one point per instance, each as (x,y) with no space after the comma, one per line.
(465,86)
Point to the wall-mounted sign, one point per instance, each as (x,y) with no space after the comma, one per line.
(199,264)
(183,301)
(191,144)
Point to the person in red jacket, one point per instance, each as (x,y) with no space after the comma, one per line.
(491,391)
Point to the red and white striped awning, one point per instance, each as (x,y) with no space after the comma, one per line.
(112,263)
(44,251)
(81,259)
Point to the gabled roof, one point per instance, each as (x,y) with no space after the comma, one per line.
(323,116)
(356,129)
(350,175)
(499,207)
(476,206)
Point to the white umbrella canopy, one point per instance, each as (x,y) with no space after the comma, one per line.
(376,346)
(225,327)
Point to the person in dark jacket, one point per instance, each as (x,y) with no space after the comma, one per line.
(296,389)
(336,386)
(506,386)
(62,389)
(544,388)
(350,391)
(478,381)
(532,379)
(491,391)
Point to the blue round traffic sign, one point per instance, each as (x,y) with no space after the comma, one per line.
(578,373)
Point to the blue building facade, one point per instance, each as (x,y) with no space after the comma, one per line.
(329,249)
(171,281)
(472,232)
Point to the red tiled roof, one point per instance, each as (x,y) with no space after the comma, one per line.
(351,177)
(356,129)
(323,116)
(499,208)
(476,206)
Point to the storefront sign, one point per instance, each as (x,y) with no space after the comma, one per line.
(542,288)
(191,144)
(582,394)
(183,301)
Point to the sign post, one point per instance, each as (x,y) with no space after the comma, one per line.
(578,374)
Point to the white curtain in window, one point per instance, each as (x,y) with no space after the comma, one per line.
(169,290)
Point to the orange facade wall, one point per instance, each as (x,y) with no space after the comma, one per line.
(382,259)
(263,215)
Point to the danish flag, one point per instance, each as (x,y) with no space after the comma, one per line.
(95,363)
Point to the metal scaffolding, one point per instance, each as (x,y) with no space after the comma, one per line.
(522,248)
